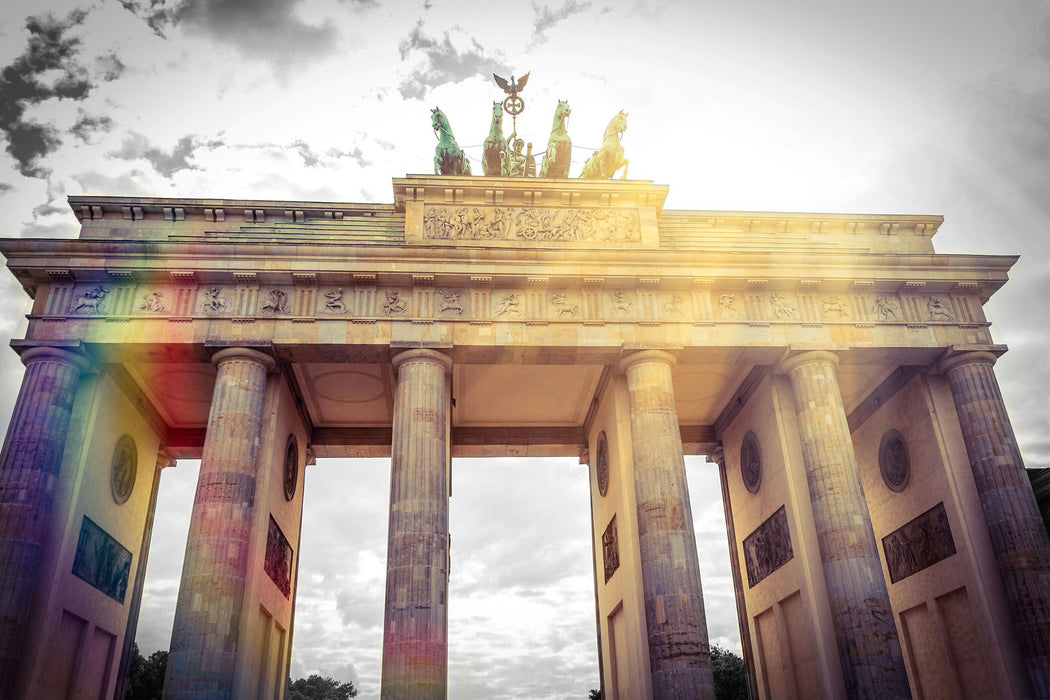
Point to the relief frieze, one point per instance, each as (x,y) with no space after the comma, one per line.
(531,224)
(918,544)
(278,561)
(102,561)
(767,548)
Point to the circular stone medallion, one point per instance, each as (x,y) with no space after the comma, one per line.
(291,468)
(894,462)
(751,462)
(123,469)
(603,464)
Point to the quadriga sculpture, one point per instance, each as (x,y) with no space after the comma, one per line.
(559,146)
(449,159)
(604,163)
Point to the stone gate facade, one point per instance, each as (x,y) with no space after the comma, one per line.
(836,370)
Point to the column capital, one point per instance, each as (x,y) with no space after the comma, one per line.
(255,356)
(717,456)
(806,357)
(957,358)
(422,355)
(43,353)
(636,357)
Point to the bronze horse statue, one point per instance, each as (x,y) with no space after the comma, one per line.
(604,162)
(495,159)
(449,159)
(559,146)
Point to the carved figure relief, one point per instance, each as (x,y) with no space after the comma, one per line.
(894,462)
(620,304)
(214,301)
(333,302)
(450,302)
(767,548)
(123,469)
(939,310)
(835,305)
(291,468)
(602,466)
(102,561)
(511,304)
(154,301)
(781,307)
(563,308)
(918,544)
(675,307)
(728,308)
(278,561)
(750,462)
(394,303)
(530,224)
(886,308)
(610,550)
(277,303)
(90,302)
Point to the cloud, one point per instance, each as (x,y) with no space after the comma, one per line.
(166,163)
(5,187)
(88,124)
(47,69)
(443,62)
(546,18)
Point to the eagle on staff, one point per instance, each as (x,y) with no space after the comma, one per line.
(513,104)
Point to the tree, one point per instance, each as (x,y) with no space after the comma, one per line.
(317,688)
(146,676)
(594,694)
(730,674)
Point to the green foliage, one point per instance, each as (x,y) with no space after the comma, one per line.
(146,676)
(730,674)
(317,688)
(594,694)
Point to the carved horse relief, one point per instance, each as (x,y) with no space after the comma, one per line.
(559,146)
(495,160)
(449,159)
(604,162)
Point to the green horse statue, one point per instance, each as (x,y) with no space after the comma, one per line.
(604,162)
(495,159)
(449,159)
(559,146)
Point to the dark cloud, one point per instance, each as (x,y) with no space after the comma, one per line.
(109,67)
(88,124)
(154,13)
(47,69)
(166,163)
(443,62)
(546,18)
(5,187)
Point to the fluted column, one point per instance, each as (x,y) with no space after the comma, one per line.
(869,650)
(1018,535)
(203,654)
(679,656)
(29,466)
(718,457)
(415,631)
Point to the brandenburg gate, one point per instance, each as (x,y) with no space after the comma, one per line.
(835,370)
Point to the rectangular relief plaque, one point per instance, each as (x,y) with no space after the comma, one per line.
(768,547)
(102,561)
(610,550)
(919,543)
(278,563)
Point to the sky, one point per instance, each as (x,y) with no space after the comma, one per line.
(897,107)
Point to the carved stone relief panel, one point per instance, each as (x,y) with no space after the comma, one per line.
(278,561)
(335,301)
(894,462)
(730,306)
(530,224)
(102,561)
(394,303)
(291,468)
(751,462)
(153,301)
(451,303)
(768,547)
(274,301)
(508,305)
(214,301)
(123,469)
(90,300)
(602,465)
(610,549)
(886,307)
(939,309)
(621,303)
(784,309)
(564,306)
(918,544)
